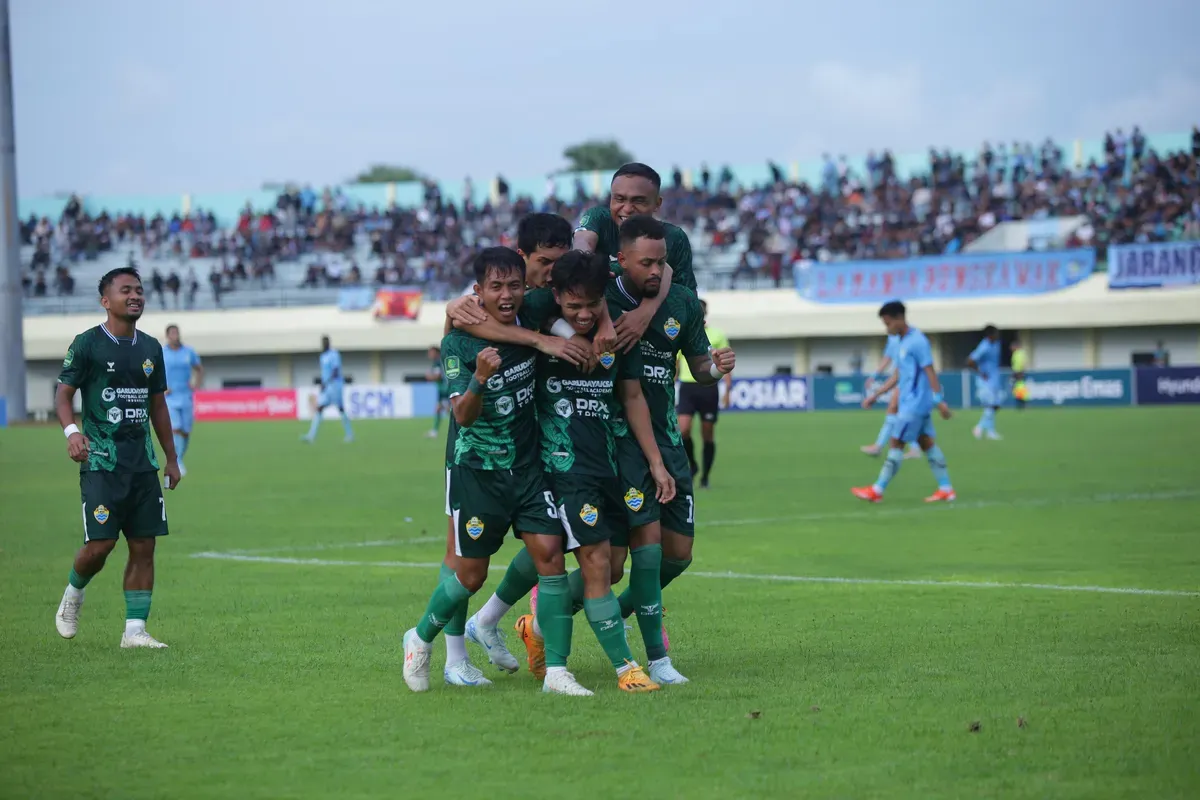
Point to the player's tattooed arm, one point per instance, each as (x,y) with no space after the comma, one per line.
(160,418)
(631,325)
(469,405)
(709,368)
(637,413)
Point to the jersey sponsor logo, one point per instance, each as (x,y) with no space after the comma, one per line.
(112,366)
(657,373)
(563,408)
(589,514)
(108,395)
(68,358)
(495,383)
(504,406)
(671,327)
(147,367)
(137,414)
(553,385)
(453,367)
(474,527)
(101,514)
(591,408)
(114,415)
(634,499)
(607,360)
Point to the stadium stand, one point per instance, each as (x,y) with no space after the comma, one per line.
(748,227)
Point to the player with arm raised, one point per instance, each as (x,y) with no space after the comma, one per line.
(920,393)
(677,326)
(985,362)
(878,379)
(121,375)
(185,373)
(635,190)
(704,401)
(495,482)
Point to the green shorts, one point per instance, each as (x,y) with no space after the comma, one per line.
(122,502)
(591,507)
(485,504)
(678,515)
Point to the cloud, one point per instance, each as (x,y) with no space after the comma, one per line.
(1169,105)
(142,89)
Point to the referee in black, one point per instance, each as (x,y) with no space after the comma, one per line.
(705,401)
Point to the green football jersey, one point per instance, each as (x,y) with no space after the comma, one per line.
(677,326)
(116,378)
(598,220)
(442,387)
(505,436)
(580,412)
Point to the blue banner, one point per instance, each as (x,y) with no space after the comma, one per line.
(4,412)
(848,391)
(958,275)
(1154,266)
(356,298)
(781,393)
(1168,385)
(1075,387)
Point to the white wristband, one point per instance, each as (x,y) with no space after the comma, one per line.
(562,329)
(70,430)
(716,373)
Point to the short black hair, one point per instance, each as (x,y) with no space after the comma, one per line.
(641,226)
(892,308)
(580,272)
(172,327)
(639,170)
(501,259)
(542,230)
(990,330)
(113,274)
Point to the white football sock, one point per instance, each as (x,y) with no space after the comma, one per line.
(537,629)
(72,593)
(495,608)
(456,648)
(133,626)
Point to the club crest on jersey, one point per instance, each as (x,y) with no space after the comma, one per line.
(671,327)
(563,408)
(101,514)
(452,367)
(495,383)
(607,360)
(70,357)
(589,515)
(147,367)
(474,527)
(634,499)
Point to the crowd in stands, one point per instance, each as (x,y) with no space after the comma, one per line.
(854,211)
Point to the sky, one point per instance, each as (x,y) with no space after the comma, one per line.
(143,96)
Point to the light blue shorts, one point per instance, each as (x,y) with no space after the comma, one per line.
(182,416)
(331,396)
(910,426)
(990,395)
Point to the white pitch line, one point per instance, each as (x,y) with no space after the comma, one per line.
(341,545)
(320,562)
(942,508)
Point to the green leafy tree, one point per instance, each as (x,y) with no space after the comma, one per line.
(388,173)
(596,154)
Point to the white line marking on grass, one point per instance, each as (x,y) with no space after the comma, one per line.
(942,508)
(321,562)
(341,545)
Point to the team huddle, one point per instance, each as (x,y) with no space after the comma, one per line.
(563,429)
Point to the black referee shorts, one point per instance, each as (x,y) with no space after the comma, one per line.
(696,399)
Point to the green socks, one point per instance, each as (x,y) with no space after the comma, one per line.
(519,579)
(672,569)
(554,618)
(137,603)
(443,605)
(575,582)
(77,580)
(457,625)
(644,594)
(604,615)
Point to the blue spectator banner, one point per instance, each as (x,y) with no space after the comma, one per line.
(780,393)
(1078,387)
(847,391)
(356,298)
(1168,385)
(940,277)
(1154,266)
(4,411)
